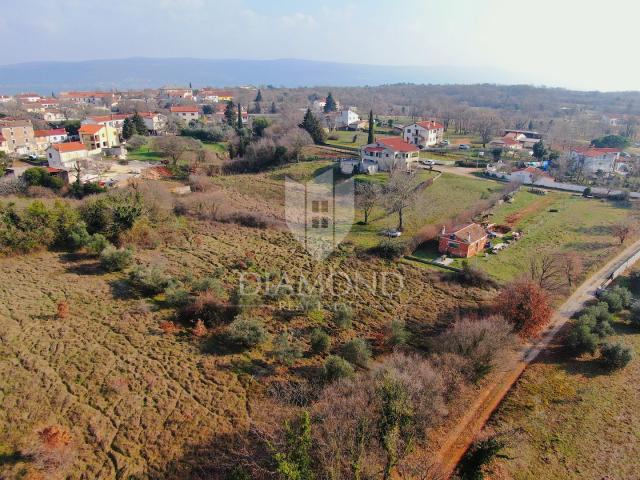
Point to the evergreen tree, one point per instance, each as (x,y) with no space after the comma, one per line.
(539,150)
(257,108)
(239,125)
(229,114)
(259,96)
(128,129)
(372,137)
(139,126)
(273,109)
(295,463)
(311,124)
(330,105)
(190,85)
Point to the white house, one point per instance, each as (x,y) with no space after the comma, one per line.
(347,119)
(115,120)
(388,153)
(186,113)
(44,138)
(155,122)
(591,160)
(65,155)
(424,134)
(54,116)
(530,176)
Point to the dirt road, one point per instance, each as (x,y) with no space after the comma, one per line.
(463,435)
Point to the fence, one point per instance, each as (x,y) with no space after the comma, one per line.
(620,269)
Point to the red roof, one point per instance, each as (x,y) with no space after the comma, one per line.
(83,94)
(69,147)
(397,144)
(373,149)
(90,128)
(534,171)
(184,109)
(53,169)
(469,233)
(430,125)
(594,152)
(48,133)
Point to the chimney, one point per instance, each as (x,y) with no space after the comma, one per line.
(469,237)
(444,229)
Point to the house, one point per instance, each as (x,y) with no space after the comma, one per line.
(105,99)
(592,160)
(115,120)
(176,92)
(506,143)
(28,97)
(463,241)
(65,155)
(54,116)
(4,145)
(44,138)
(388,153)
(347,119)
(214,95)
(526,138)
(97,136)
(5,99)
(424,134)
(155,122)
(530,175)
(19,136)
(186,113)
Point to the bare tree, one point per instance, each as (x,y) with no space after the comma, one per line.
(175,147)
(545,271)
(367,197)
(295,140)
(622,231)
(571,266)
(486,125)
(399,193)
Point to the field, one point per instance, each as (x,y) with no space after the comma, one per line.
(571,419)
(146,153)
(138,402)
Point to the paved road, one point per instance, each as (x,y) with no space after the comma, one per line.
(459,440)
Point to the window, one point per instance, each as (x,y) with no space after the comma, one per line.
(318,206)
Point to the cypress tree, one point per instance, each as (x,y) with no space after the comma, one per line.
(273,109)
(257,108)
(239,124)
(258,96)
(229,114)
(312,126)
(371,138)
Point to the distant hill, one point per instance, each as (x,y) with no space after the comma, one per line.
(43,77)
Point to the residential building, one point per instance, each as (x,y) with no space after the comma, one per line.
(5,99)
(115,120)
(65,155)
(28,97)
(530,176)
(388,153)
(105,99)
(54,116)
(526,138)
(424,134)
(347,119)
(591,160)
(19,136)
(463,241)
(176,92)
(155,122)
(97,136)
(44,138)
(506,143)
(4,145)
(186,113)
(214,95)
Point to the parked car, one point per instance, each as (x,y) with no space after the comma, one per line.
(391,233)
(445,142)
(428,163)
(464,146)
(32,156)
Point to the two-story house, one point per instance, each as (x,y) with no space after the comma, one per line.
(19,136)
(591,160)
(65,155)
(424,134)
(44,138)
(96,137)
(186,113)
(347,119)
(388,153)
(115,120)
(155,122)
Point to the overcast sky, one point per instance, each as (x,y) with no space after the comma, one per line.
(584,44)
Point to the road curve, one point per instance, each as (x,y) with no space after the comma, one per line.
(463,435)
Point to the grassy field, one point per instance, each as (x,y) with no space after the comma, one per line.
(571,419)
(146,153)
(138,401)
(577,224)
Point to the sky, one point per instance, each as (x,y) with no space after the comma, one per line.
(583,44)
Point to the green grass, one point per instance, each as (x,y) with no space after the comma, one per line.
(580,225)
(570,419)
(144,154)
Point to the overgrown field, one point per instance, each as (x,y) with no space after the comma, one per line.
(138,400)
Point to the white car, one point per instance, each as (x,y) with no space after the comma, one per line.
(428,163)
(391,233)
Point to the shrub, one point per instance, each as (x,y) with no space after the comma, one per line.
(309,303)
(209,307)
(208,284)
(40,177)
(613,299)
(115,259)
(615,355)
(473,276)
(62,309)
(177,297)
(336,368)
(96,244)
(199,330)
(169,327)
(150,280)
(53,452)
(582,340)
(284,350)
(389,249)
(320,341)
(481,342)
(480,454)
(316,316)
(398,334)
(246,332)
(526,306)
(357,352)
(343,316)
(599,312)
(635,314)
